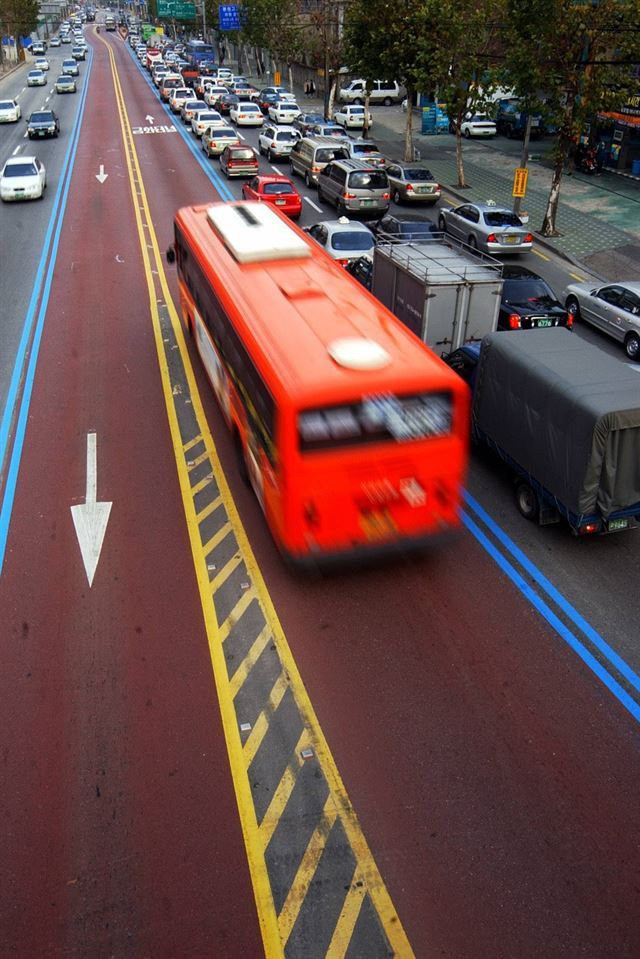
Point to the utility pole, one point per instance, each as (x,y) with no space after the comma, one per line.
(517,201)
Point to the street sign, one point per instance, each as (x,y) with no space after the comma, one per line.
(520,182)
(229,16)
(176,9)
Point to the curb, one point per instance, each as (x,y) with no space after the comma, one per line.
(11,70)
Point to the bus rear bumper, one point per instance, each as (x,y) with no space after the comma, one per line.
(367,554)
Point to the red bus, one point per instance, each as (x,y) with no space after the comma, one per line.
(352,433)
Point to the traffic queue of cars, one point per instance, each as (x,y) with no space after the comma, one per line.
(24,177)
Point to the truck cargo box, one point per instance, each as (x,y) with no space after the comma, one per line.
(567,414)
(446,293)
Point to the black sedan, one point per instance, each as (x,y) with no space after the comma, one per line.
(404,228)
(528,302)
(224,103)
(305,121)
(43,123)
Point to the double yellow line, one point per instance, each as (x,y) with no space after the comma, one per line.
(275,928)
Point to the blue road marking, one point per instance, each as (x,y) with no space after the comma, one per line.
(570,612)
(547,613)
(60,204)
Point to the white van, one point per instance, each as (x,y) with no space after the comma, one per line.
(382,91)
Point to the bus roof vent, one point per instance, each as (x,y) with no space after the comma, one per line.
(253,232)
(358,353)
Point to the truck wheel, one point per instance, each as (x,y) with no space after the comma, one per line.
(632,346)
(573,308)
(527,502)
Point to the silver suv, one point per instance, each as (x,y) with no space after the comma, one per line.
(354,187)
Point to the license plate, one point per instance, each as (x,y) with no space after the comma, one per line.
(424,189)
(615,524)
(281,202)
(378,524)
(544,322)
(511,239)
(367,202)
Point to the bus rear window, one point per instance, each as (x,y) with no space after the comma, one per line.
(376,419)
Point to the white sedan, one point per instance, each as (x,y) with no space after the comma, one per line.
(284,111)
(478,125)
(23,178)
(213,91)
(205,119)
(246,115)
(36,78)
(351,117)
(9,111)
(42,63)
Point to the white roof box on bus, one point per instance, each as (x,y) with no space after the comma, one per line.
(253,232)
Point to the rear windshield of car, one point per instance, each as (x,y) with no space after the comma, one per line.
(225,132)
(358,240)
(522,291)
(365,148)
(241,154)
(415,173)
(286,135)
(369,180)
(20,169)
(356,109)
(272,188)
(501,218)
(326,156)
(203,115)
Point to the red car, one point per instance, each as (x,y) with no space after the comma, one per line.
(277,190)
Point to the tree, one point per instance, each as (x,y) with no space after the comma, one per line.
(18,17)
(391,41)
(571,59)
(277,26)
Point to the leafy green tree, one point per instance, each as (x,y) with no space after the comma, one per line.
(18,17)
(571,59)
(277,26)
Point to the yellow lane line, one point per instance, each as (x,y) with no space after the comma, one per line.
(306,871)
(254,739)
(575,276)
(347,919)
(253,846)
(252,834)
(283,791)
(257,648)
(542,256)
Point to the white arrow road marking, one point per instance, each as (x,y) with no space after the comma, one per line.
(102,176)
(90,518)
(149,119)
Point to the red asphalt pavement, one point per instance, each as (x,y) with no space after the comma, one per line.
(495,779)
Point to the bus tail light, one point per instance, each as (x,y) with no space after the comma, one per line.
(515,322)
(311,514)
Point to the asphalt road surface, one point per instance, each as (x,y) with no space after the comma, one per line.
(472,716)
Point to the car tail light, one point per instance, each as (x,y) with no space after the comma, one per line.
(569,321)
(492,238)
(348,196)
(316,169)
(515,322)
(274,144)
(342,262)
(528,238)
(409,188)
(386,196)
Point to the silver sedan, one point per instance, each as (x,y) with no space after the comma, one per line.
(614,309)
(486,227)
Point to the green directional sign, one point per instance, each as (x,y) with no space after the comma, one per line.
(176,9)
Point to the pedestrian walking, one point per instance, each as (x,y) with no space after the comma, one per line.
(307,91)
(312,88)
(601,154)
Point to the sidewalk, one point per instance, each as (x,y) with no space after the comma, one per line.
(599,218)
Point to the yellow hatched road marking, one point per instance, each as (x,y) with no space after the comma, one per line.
(217,537)
(191,465)
(282,792)
(347,919)
(254,739)
(235,614)
(306,870)
(194,442)
(225,572)
(238,679)
(209,508)
(255,837)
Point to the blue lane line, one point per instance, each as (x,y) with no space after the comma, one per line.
(204,161)
(570,612)
(16,376)
(21,426)
(529,593)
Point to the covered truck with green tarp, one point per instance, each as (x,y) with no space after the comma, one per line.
(566,417)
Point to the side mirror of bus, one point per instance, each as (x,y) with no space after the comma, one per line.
(171,255)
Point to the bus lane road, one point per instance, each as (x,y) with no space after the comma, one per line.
(120,831)
(494,777)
